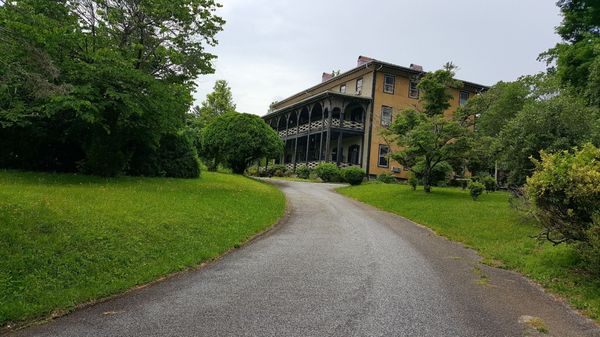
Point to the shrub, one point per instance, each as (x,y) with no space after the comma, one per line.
(487,180)
(353,175)
(277,170)
(253,171)
(303,172)
(177,157)
(413,181)
(564,193)
(475,189)
(386,178)
(328,172)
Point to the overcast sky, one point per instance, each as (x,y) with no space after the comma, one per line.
(270,49)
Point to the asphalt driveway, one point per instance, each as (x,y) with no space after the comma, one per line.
(334,268)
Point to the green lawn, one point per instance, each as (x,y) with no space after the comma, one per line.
(492,227)
(68,239)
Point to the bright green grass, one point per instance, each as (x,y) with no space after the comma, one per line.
(68,239)
(492,227)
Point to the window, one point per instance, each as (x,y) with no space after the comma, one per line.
(464,97)
(413,91)
(383,152)
(359,86)
(389,82)
(386,115)
(343,88)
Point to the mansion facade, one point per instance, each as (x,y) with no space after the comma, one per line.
(340,120)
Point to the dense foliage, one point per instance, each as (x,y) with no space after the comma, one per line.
(475,189)
(94,85)
(565,195)
(236,140)
(353,175)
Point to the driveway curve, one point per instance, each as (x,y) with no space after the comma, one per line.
(335,267)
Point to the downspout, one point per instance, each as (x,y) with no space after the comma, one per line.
(371,121)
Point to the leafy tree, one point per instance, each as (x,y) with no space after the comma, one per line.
(427,138)
(92,85)
(236,140)
(217,103)
(577,57)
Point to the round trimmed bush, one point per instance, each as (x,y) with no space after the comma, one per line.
(386,178)
(328,172)
(475,189)
(353,175)
(303,172)
(487,180)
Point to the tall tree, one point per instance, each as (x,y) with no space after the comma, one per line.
(427,138)
(577,59)
(217,103)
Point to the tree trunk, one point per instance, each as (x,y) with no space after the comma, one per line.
(427,179)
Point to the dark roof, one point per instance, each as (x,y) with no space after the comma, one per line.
(316,98)
(476,86)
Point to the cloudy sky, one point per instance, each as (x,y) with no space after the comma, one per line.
(270,49)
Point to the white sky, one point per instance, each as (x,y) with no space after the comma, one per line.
(271,49)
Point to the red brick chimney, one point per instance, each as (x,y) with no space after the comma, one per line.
(326,77)
(416,67)
(363,60)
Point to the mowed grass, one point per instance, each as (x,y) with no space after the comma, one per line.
(493,228)
(68,239)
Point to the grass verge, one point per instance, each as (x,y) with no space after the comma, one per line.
(493,228)
(69,239)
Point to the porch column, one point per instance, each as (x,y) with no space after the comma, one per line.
(339,147)
(328,140)
(308,137)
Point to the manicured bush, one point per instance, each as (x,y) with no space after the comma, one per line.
(475,189)
(386,178)
(328,172)
(353,175)
(564,193)
(413,182)
(236,140)
(303,172)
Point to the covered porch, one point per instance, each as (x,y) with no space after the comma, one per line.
(329,127)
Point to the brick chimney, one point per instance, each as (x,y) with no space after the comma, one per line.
(416,67)
(362,60)
(326,77)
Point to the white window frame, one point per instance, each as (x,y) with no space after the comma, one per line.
(343,88)
(379,157)
(388,88)
(359,84)
(388,122)
(412,82)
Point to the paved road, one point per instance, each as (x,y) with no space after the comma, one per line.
(334,268)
